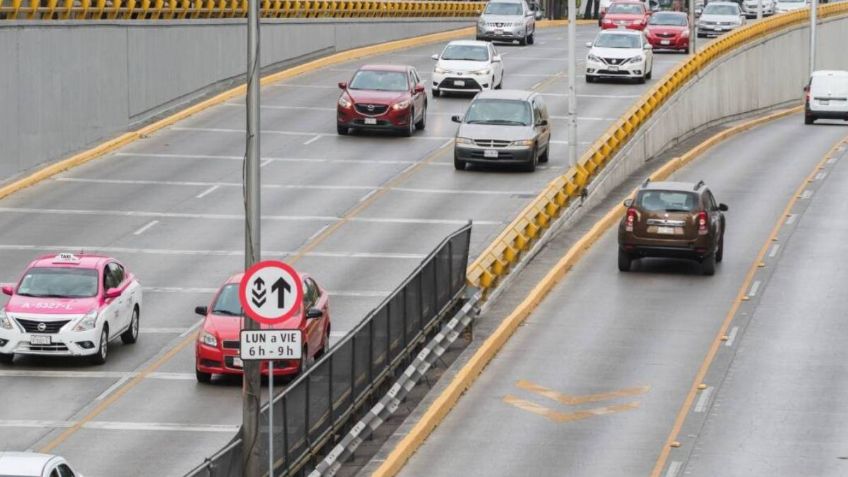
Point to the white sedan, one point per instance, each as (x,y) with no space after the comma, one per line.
(31,464)
(467,66)
(620,53)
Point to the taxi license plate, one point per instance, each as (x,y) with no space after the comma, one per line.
(238,363)
(39,340)
(665,230)
(613,68)
(665,42)
(459,82)
(370,121)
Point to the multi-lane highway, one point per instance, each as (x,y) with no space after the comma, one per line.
(356,212)
(603,373)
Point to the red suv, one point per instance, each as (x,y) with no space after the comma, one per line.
(382,97)
(632,15)
(672,219)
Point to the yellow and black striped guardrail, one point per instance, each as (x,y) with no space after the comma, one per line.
(189,9)
(495,262)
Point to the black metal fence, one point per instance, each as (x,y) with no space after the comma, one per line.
(320,404)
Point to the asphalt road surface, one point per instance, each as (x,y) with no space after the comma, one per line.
(592,383)
(358,213)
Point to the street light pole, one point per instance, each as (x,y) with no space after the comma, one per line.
(759,9)
(693,29)
(572,83)
(251,387)
(813,21)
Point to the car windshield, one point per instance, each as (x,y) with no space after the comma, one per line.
(59,283)
(668,19)
(612,40)
(626,8)
(666,201)
(503,8)
(379,80)
(721,10)
(227,302)
(466,53)
(499,111)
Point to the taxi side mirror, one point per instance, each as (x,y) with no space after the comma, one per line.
(588,44)
(628,203)
(8,290)
(201,310)
(435,57)
(313,313)
(722,207)
(113,292)
(342,85)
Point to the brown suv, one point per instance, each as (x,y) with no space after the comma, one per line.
(672,219)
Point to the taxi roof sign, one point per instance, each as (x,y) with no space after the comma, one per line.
(66,257)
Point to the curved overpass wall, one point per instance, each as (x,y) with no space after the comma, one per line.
(66,85)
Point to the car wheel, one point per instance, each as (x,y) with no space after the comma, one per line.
(544,157)
(523,41)
(305,361)
(436,93)
(410,127)
(650,73)
(202,377)
(131,335)
(423,122)
(719,255)
(458,164)
(809,119)
(624,261)
(534,160)
(590,79)
(531,39)
(6,358)
(325,342)
(342,130)
(641,79)
(102,348)
(708,265)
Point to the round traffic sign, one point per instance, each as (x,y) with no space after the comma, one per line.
(271,291)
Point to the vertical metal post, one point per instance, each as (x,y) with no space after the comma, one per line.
(572,83)
(693,29)
(759,9)
(271,418)
(251,384)
(814,7)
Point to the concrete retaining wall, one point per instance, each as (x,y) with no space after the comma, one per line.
(65,86)
(762,76)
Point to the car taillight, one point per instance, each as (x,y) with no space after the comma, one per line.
(702,223)
(631,219)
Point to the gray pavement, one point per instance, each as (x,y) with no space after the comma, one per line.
(169,206)
(590,385)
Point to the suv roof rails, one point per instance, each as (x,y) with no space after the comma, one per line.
(647,181)
(698,185)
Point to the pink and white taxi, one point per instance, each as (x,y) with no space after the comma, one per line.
(68,305)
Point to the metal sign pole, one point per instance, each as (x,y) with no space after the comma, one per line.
(271,418)
(251,386)
(759,9)
(693,29)
(572,83)
(813,20)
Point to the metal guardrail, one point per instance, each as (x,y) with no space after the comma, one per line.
(193,9)
(321,403)
(494,263)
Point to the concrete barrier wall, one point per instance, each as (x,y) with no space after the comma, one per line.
(765,75)
(65,86)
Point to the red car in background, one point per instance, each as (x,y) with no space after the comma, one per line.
(669,31)
(217,346)
(632,15)
(382,97)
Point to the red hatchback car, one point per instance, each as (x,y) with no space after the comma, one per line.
(388,97)
(668,31)
(217,347)
(632,15)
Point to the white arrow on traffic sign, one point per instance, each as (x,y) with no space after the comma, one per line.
(271,291)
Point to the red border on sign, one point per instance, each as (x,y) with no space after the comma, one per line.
(298,289)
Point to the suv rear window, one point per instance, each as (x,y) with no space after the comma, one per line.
(667,201)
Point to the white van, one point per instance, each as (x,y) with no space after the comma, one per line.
(826,96)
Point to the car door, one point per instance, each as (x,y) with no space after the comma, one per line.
(417,98)
(124,302)
(542,130)
(715,214)
(110,309)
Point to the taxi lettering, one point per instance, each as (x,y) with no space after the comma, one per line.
(48,306)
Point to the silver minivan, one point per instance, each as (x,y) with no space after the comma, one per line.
(826,96)
(507,20)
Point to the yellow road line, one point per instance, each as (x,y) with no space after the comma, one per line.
(571,400)
(558,416)
(466,376)
(714,347)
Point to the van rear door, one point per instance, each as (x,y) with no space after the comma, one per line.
(829,92)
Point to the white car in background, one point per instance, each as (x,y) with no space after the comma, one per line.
(784,6)
(826,96)
(31,464)
(467,66)
(719,18)
(750,7)
(620,53)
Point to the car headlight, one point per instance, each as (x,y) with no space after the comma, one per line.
(87,322)
(592,57)
(633,59)
(523,143)
(344,102)
(209,339)
(464,140)
(442,71)
(481,72)
(685,34)
(5,321)
(401,105)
